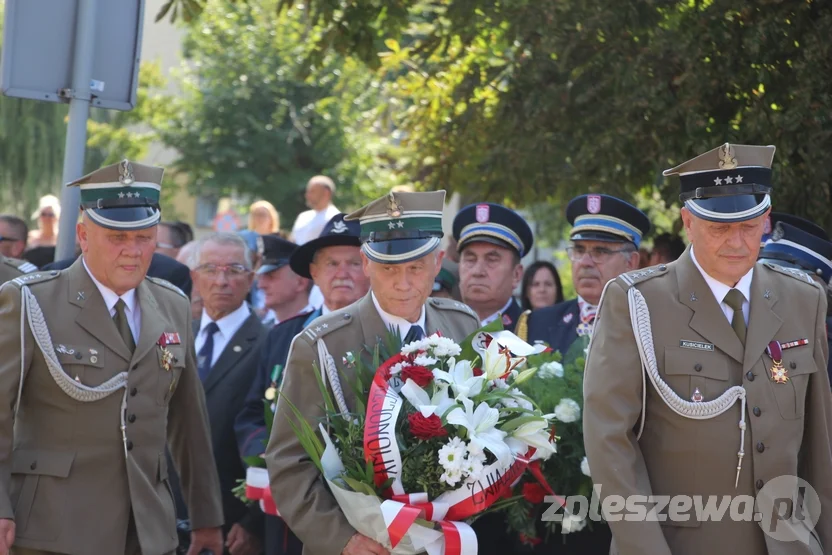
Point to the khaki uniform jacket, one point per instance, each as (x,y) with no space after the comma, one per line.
(788,425)
(11,268)
(299,491)
(65,474)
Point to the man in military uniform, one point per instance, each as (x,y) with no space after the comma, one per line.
(798,243)
(12,242)
(491,240)
(400,236)
(333,262)
(96,372)
(606,234)
(735,393)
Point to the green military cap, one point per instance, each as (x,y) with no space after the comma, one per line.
(122,196)
(730,183)
(401,226)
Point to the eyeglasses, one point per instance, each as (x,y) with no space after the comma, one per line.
(213,270)
(599,255)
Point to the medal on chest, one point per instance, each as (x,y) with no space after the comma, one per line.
(779,374)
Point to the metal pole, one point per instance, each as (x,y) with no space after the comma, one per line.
(76,133)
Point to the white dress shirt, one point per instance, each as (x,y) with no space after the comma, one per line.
(719,290)
(133,310)
(228,326)
(497,314)
(310,224)
(404,326)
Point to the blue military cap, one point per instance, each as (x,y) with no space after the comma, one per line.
(730,183)
(276,253)
(798,243)
(606,218)
(495,224)
(336,232)
(795,221)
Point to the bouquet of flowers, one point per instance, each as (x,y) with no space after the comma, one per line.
(557,388)
(440,434)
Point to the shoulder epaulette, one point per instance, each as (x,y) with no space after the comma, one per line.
(521,329)
(799,275)
(23,265)
(450,304)
(166,284)
(328,324)
(637,276)
(35,277)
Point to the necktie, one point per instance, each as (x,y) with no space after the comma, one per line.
(206,353)
(415,333)
(735,299)
(123,327)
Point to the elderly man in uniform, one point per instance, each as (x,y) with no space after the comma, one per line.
(96,378)
(333,263)
(286,293)
(736,401)
(400,254)
(491,240)
(798,243)
(606,234)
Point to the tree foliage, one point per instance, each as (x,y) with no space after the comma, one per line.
(524,101)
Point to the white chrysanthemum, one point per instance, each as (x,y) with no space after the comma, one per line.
(396,369)
(415,347)
(568,410)
(585,466)
(552,369)
(445,347)
(451,477)
(572,523)
(452,456)
(424,360)
(475,462)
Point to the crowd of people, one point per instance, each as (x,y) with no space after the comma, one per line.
(137,373)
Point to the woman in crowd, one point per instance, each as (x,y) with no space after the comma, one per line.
(541,286)
(263,219)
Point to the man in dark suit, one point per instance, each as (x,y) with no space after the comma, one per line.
(333,262)
(161,266)
(491,240)
(606,234)
(227,342)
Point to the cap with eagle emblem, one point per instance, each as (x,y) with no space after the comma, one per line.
(798,243)
(731,183)
(122,196)
(400,226)
(492,223)
(336,233)
(605,218)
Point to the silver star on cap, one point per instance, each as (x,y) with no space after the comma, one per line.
(718,181)
(739,179)
(391,225)
(400,223)
(729,180)
(121,195)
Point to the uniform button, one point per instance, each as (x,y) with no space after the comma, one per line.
(53,273)
(750,376)
(135,366)
(129,445)
(792,365)
(759,484)
(79,356)
(761,447)
(133,392)
(662,267)
(697,367)
(347,316)
(34,465)
(757,411)
(131,418)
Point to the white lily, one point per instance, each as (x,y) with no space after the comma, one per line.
(427,405)
(532,434)
(497,361)
(482,432)
(461,378)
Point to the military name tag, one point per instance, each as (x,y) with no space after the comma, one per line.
(696,345)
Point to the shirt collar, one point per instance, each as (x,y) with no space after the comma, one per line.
(228,324)
(390,321)
(110,297)
(497,314)
(719,289)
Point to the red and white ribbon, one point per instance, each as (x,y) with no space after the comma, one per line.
(257,489)
(457,538)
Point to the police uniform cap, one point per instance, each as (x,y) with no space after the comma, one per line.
(400,226)
(492,223)
(277,252)
(799,247)
(336,232)
(606,218)
(730,183)
(796,221)
(122,196)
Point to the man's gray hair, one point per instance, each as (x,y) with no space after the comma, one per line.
(220,238)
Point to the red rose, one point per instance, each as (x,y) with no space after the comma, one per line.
(419,374)
(533,492)
(426,428)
